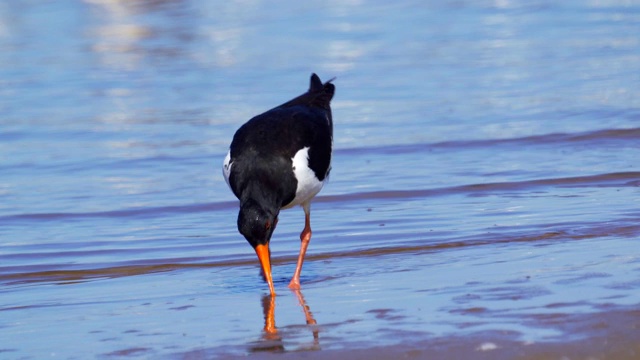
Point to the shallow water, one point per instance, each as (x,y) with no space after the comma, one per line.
(484,180)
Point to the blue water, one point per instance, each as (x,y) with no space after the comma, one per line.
(485,158)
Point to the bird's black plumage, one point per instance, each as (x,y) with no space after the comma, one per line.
(260,168)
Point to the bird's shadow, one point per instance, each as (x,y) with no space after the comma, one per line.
(273,340)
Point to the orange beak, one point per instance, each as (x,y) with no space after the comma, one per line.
(265,261)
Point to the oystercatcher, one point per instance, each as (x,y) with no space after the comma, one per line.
(277,160)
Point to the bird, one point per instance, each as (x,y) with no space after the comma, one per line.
(277,160)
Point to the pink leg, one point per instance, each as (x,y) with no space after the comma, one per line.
(305,237)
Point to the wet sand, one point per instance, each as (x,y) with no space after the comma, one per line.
(609,334)
(415,304)
(483,202)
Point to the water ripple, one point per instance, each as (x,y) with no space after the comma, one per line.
(618,179)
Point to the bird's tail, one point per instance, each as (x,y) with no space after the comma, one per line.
(321,93)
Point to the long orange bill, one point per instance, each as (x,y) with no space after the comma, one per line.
(265,261)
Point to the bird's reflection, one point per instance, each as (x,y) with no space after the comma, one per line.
(272,340)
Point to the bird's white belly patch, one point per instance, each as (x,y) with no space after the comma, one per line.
(226,167)
(308,184)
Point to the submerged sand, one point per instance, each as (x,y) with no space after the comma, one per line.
(610,334)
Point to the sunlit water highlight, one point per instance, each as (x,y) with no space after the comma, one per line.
(484,180)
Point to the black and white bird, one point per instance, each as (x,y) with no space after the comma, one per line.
(277,160)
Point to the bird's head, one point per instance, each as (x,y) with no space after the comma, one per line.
(256,224)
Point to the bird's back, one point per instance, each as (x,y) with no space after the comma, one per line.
(263,148)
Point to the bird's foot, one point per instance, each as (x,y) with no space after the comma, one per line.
(294,284)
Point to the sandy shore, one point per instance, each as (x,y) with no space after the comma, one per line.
(613,334)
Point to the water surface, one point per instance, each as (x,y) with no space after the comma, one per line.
(485,182)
